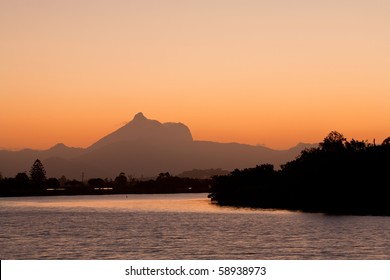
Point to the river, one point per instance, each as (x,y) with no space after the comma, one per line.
(179,226)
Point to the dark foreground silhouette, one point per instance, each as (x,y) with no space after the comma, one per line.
(337,177)
(38,185)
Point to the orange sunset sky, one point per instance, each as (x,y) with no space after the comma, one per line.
(258,72)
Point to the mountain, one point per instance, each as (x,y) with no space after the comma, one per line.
(144,147)
(141,129)
(58,160)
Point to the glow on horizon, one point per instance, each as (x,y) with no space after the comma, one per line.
(258,72)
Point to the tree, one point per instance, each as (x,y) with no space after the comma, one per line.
(386,142)
(52,183)
(37,172)
(63,180)
(164,176)
(356,145)
(121,180)
(96,183)
(21,180)
(335,141)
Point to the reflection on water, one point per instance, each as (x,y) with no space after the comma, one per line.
(158,202)
(136,202)
(179,226)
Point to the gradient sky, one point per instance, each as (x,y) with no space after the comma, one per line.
(259,72)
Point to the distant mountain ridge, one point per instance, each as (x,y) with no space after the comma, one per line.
(143,129)
(144,147)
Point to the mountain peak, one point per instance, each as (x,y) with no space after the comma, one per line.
(59,146)
(139,116)
(142,129)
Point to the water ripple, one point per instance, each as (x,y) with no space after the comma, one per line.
(108,228)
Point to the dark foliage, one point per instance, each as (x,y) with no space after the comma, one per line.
(121,180)
(38,173)
(22,185)
(96,183)
(338,177)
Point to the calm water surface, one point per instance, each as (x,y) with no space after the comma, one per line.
(179,226)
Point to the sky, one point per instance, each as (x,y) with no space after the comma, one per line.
(271,73)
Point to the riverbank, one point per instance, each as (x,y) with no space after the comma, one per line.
(339,177)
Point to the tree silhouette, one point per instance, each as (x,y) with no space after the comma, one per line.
(52,183)
(37,172)
(164,176)
(386,142)
(96,183)
(334,141)
(338,177)
(21,179)
(121,180)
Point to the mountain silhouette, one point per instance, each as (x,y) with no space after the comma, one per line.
(144,147)
(141,129)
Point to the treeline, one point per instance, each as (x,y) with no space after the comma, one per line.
(36,184)
(337,177)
